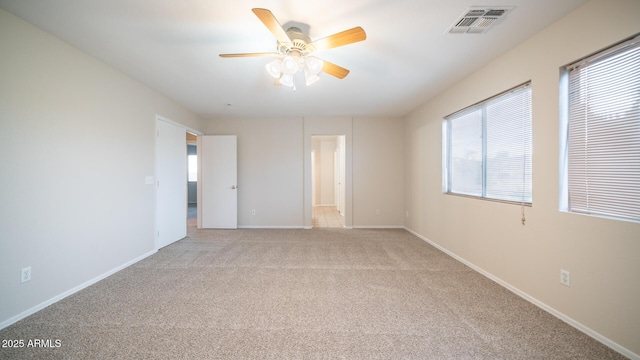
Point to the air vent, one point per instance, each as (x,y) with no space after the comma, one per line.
(478,20)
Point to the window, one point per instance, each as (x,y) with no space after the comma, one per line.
(487,148)
(192,166)
(600,168)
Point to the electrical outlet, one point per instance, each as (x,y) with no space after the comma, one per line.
(253,211)
(25,274)
(406,214)
(378,212)
(565,277)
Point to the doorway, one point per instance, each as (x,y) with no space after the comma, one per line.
(328,177)
(192,180)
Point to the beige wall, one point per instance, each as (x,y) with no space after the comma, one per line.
(274,174)
(269,169)
(76,144)
(602,255)
(378,172)
(324,148)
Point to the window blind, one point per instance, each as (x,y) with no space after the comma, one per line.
(466,154)
(603,136)
(509,137)
(488,151)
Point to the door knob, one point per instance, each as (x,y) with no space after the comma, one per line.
(234,187)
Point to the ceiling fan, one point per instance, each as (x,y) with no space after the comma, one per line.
(294,49)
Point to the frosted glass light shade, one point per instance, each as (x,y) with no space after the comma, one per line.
(310,79)
(313,65)
(284,69)
(274,68)
(286,80)
(289,65)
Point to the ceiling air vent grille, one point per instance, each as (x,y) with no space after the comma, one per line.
(478,20)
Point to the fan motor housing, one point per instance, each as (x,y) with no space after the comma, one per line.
(300,43)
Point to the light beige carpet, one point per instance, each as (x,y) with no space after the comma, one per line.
(299,294)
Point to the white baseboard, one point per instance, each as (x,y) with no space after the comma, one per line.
(379,227)
(270,227)
(594,334)
(72,291)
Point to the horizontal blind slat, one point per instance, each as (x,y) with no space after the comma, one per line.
(603,134)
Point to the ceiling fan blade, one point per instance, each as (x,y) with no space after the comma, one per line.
(340,39)
(249,54)
(334,70)
(272,24)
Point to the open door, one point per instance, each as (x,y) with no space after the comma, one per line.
(217,185)
(171,179)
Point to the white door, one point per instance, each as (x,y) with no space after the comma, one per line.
(218,182)
(171,180)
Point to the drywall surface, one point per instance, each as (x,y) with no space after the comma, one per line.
(601,254)
(77,143)
(274,169)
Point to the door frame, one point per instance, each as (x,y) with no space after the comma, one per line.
(328,126)
(338,167)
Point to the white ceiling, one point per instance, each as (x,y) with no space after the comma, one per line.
(173,47)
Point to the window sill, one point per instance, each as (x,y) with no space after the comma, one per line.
(519,203)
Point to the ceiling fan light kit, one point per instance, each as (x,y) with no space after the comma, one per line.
(294,48)
(285,69)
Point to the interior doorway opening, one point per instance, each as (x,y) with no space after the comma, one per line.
(328,176)
(192,180)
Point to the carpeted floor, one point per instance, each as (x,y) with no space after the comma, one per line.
(299,294)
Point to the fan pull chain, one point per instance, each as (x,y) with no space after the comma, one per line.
(523,218)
